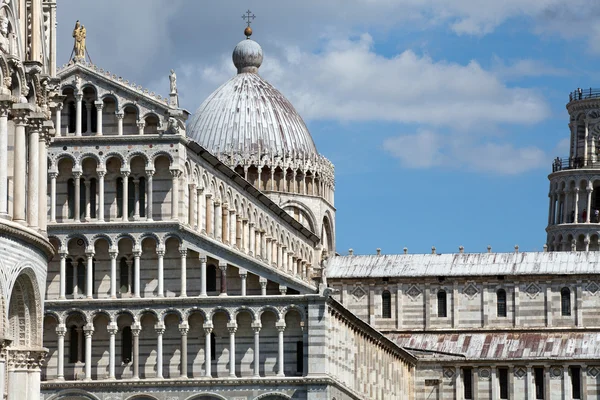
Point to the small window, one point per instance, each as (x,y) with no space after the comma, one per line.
(81,276)
(386,300)
(82,204)
(501,303)
(72,114)
(70,276)
(211,278)
(126,345)
(503,382)
(71,198)
(538,377)
(300,357)
(576,382)
(73,344)
(565,301)
(213,347)
(468,383)
(441,303)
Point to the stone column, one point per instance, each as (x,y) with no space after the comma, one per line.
(175,173)
(256,328)
(239,233)
(160,330)
(88,109)
(137,253)
(77,205)
(218,221)
(183,253)
(243,275)
(78,98)
(225,224)
(53,176)
(208,328)
(101,175)
(245,235)
(58,117)
(136,199)
(565,206)
(140,126)
(589,191)
(61,331)
(113,253)
(135,331)
(113,329)
(202,275)
(88,203)
(208,216)
(200,210)
(232,327)
(223,268)
(20,167)
(89,273)
(149,194)
(192,204)
(38,178)
(576,205)
(232,227)
(183,329)
(63,274)
(4,158)
(283,258)
(263,286)
(280,325)
(125,205)
(99,105)
(120,116)
(160,252)
(252,238)
(88,331)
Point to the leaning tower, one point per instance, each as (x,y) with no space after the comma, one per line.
(27,48)
(573,216)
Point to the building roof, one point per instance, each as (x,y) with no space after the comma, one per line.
(464,264)
(505,345)
(247,115)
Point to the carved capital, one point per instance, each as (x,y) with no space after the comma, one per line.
(61,330)
(184,328)
(112,329)
(120,115)
(232,327)
(175,173)
(101,173)
(99,105)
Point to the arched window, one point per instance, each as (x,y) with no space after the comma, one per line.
(82,204)
(386,304)
(70,277)
(213,347)
(130,197)
(126,345)
(71,198)
(501,302)
(211,278)
(441,303)
(84,120)
(124,275)
(565,301)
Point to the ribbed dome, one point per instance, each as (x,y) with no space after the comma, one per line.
(247,114)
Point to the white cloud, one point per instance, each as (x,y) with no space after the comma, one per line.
(427,149)
(524,68)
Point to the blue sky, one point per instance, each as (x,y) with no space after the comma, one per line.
(441,119)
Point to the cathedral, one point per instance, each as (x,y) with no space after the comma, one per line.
(147,253)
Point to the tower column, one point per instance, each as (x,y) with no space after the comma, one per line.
(208,328)
(53,176)
(135,331)
(243,276)
(280,325)
(137,253)
(58,118)
(112,331)
(149,195)
(202,275)
(125,205)
(589,191)
(89,273)
(20,166)
(99,105)
(160,330)
(33,176)
(160,253)
(63,274)
(252,238)
(140,126)
(232,327)
(256,328)
(78,98)
(183,329)
(200,210)
(576,205)
(120,116)
(175,173)
(88,331)
(101,175)
(136,199)
(77,205)
(183,254)
(223,268)
(87,202)
(61,331)
(114,253)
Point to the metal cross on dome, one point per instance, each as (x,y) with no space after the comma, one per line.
(248,17)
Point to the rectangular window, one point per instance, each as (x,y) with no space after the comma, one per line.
(468,383)
(503,382)
(538,377)
(576,382)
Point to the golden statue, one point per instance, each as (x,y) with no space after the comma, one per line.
(79,35)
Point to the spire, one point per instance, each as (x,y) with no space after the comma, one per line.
(247,55)
(248,17)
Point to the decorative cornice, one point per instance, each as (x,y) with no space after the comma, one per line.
(13,230)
